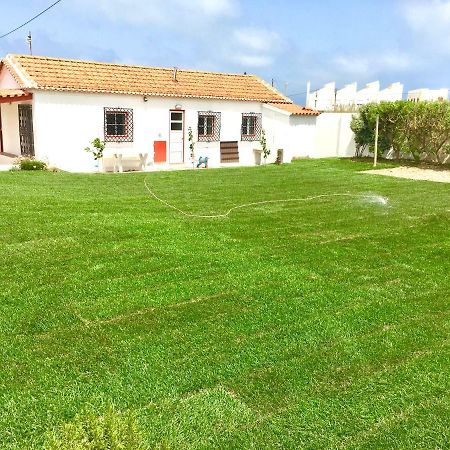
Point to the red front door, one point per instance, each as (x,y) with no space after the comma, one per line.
(160,149)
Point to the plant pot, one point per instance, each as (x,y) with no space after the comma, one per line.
(98,165)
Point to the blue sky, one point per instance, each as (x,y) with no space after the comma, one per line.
(290,41)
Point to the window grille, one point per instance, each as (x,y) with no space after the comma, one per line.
(209,126)
(118,125)
(251,127)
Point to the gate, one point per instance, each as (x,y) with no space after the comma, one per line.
(26,130)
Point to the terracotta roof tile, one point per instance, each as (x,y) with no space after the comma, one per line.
(34,72)
(12,93)
(294,109)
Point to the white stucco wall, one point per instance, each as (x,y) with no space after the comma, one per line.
(9,115)
(303,135)
(10,128)
(294,134)
(334,137)
(65,123)
(7,81)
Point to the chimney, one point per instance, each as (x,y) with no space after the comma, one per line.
(175,71)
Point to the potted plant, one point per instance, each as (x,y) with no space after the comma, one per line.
(98,147)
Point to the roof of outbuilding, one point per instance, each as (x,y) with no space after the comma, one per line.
(12,93)
(36,72)
(294,109)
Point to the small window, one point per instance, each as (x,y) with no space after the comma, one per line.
(118,125)
(251,127)
(248,125)
(176,126)
(176,116)
(208,126)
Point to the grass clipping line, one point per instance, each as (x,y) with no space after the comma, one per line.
(369,197)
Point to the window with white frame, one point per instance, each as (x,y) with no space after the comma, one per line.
(251,127)
(118,124)
(208,126)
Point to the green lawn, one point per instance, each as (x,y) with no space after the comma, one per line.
(321,324)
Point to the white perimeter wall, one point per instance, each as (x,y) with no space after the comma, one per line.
(65,123)
(334,137)
(303,134)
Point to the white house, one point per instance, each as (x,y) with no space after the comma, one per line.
(419,95)
(53,108)
(393,93)
(323,99)
(349,97)
(368,94)
(346,97)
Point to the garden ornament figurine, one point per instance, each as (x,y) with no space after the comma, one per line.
(202,161)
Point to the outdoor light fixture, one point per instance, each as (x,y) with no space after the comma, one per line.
(145,98)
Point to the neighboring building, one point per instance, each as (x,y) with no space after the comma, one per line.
(322,99)
(346,97)
(369,94)
(53,108)
(393,93)
(418,95)
(350,98)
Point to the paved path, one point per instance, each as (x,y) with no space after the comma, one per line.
(414,173)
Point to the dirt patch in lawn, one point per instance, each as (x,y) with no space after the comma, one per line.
(414,173)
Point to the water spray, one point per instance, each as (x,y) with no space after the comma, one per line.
(378,199)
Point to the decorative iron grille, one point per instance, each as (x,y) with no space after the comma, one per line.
(208,128)
(26,134)
(251,126)
(118,125)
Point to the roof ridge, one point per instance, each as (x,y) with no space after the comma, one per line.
(50,73)
(276,91)
(135,66)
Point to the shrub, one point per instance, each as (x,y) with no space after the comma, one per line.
(412,129)
(97,150)
(363,125)
(89,431)
(428,132)
(31,164)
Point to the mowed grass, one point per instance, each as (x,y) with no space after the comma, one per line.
(320,324)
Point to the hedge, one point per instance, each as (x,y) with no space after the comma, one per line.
(418,130)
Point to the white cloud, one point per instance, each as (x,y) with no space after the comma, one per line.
(182,13)
(253,47)
(357,65)
(251,61)
(214,7)
(257,39)
(430,21)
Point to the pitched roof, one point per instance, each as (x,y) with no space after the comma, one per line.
(35,72)
(295,110)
